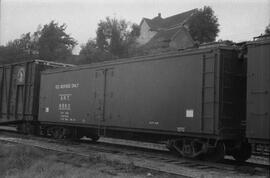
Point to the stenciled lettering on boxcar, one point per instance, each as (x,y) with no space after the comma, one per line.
(180,129)
(153,123)
(64,104)
(64,107)
(66,86)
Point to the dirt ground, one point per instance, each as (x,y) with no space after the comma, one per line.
(18,161)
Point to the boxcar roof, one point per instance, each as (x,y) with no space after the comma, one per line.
(48,63)
(141,58)
(259,41)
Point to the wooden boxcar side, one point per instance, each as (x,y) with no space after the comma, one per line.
(188,93)
(258,88)
(192,99)
(19,90)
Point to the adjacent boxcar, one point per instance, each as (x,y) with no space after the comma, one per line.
(193,99)
(19,90)
(258,97)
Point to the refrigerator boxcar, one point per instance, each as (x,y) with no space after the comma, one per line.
(192,100)
(258,97)
(19,90)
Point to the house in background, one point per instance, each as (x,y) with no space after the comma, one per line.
(166,33)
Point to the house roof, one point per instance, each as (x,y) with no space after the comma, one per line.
(163,38)
(165,35)
(176,20)
(169,30)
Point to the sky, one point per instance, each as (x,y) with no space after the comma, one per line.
(239,20)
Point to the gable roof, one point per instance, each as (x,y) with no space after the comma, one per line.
(163,38)
(165,35)
(176,20)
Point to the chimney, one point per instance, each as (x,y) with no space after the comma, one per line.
(159,15)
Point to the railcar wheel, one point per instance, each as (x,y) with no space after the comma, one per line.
(95,138)
(55,133)
(216,154)
(58,133)
(243,153)
(190,148)
(43,131)
(170,146)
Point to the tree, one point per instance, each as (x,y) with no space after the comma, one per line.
(49,42)
(114,39)
(135,31)
(27,43)
(54,43)
(203,25)
(115,36)
(17,50)
(90,52)
(9,54)
(267,30)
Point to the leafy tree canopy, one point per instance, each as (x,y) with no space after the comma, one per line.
(114,39)
(90,52)
(115,35)
(49,42)
(10,54)
(54,43)
(267,30)
(203,25)
(17,50)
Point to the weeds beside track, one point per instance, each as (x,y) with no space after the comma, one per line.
(157,160)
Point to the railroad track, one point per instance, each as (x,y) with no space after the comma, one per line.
(161,148)
(158,160)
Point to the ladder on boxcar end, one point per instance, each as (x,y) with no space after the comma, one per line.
(209,80)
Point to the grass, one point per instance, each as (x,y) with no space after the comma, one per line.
(18,161)
(17,158)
